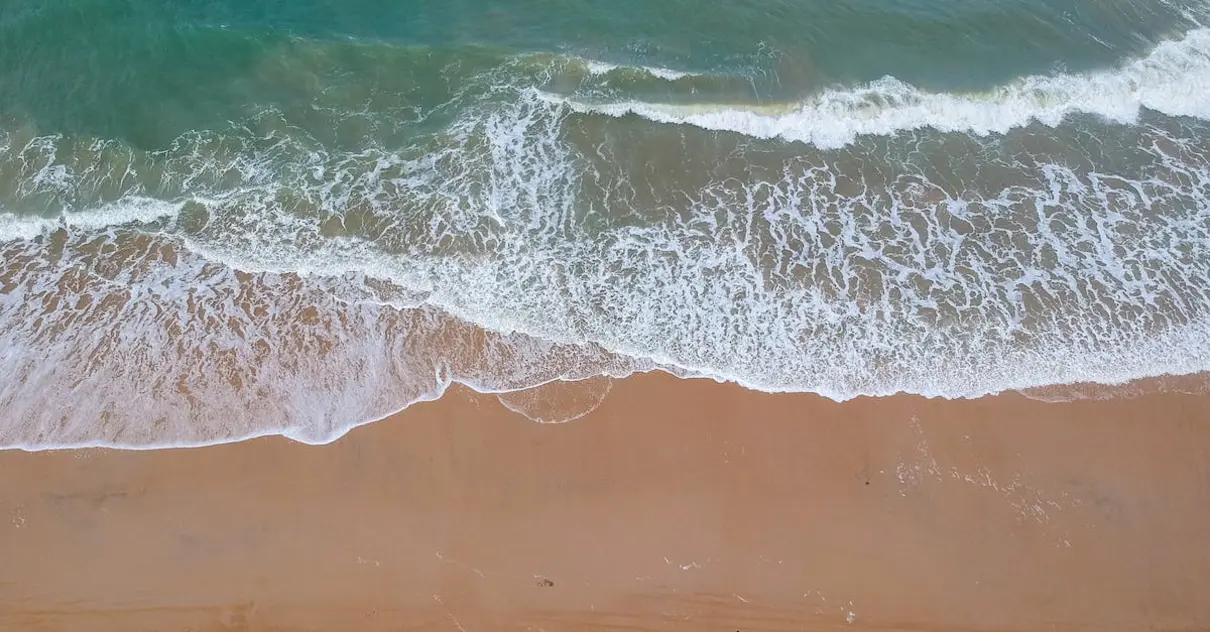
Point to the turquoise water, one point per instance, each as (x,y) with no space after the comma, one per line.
(227,219)
(146,72)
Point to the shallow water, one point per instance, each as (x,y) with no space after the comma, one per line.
(222,220)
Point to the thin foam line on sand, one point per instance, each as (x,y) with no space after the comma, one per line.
(672,505)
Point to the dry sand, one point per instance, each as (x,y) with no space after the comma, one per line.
(675,505)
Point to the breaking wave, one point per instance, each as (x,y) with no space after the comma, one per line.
(1174,80)
(252,280)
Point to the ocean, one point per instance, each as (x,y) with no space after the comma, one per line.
(222,219)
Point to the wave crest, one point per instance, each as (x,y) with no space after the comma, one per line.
(1174,79)
(256,280)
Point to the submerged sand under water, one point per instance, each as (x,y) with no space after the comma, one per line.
(279,221)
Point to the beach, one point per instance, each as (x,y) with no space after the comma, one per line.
(575,315)
(671,505)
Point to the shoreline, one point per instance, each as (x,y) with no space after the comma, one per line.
(1195,383)
(673,505)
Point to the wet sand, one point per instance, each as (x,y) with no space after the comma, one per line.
(674,505)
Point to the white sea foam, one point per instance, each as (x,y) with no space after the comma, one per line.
(14,226)
(350,285)
(1174,79)
(174,351)
(602,68)
(129,210)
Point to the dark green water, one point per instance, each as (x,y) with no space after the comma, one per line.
(224,219)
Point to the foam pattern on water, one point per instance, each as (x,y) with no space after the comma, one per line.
(249,281)
(125,340)
(1173,79)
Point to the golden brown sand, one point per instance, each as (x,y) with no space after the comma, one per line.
(675,505)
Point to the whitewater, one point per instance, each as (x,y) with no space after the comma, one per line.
(254,282)
(1174,80)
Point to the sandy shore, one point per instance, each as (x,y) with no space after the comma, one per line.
(675,505)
